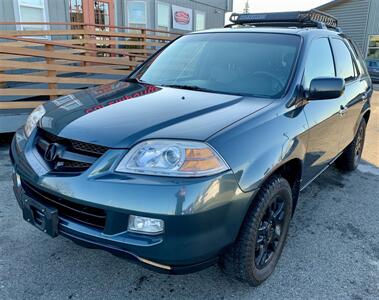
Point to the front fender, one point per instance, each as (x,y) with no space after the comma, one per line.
(257,146)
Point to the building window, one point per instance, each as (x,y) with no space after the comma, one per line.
(137,14)
(32,11)
(373,47)
(199,20)
(101,10)
(76,13)
(163,16)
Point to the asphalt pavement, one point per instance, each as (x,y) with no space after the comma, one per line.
(332,250)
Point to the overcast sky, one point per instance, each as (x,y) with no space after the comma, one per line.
(275,5)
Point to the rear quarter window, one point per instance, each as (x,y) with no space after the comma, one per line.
(344,61)
(358,57)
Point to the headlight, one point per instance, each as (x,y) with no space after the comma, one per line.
(172,158)
(33,119)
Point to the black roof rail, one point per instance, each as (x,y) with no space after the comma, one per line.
(311,18)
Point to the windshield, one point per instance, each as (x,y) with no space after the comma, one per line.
(254,64)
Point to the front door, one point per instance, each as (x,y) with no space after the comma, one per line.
(323,116)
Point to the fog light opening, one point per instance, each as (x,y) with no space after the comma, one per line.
(145,225)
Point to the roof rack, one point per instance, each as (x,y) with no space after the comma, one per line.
(311,18)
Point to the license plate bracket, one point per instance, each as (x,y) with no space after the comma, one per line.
(42,216)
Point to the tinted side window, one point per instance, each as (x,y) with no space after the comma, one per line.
(358,55)
(319,62)
(344,62)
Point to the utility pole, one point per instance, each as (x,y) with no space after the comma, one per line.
(247,7)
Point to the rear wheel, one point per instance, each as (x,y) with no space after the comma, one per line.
(351,156)
(255,253)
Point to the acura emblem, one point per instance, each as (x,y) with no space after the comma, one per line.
(51,152)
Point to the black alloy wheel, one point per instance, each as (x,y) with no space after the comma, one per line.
(269,233)
(359,144)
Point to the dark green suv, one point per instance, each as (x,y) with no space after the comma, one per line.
(200,155)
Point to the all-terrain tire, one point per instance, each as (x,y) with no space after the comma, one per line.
(351,156)
(240,259)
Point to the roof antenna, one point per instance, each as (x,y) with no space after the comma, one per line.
(247,7)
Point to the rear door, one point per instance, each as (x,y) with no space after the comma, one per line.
(356,92)
(323,116)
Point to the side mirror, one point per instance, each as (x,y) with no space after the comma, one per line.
(324,88)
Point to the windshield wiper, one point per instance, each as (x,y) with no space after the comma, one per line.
(198,88)
(189,87)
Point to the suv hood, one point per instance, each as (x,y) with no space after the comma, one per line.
(119,115)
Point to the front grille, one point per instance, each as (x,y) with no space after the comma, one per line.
(84,148)
(88,148)
(74,156)
(80,213)
(70,164)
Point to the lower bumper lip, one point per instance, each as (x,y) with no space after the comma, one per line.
(153,265)
(116,250)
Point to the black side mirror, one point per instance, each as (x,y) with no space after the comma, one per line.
(324,88)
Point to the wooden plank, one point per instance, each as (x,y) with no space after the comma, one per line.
(41,32)
(43,23)
(129,35)
(10,56)
(35,92)
(19,104)
(18,44)
(63,68)
(87,24)
(54,54)
(145,51)
(91,25)
(27,44)
(57,43)
(131,52)
(51,73)
(61,62)
(114,42)
(42,79)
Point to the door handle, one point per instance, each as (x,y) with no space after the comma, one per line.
(343,110)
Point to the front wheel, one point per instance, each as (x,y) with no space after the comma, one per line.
(351,156)
(254,255)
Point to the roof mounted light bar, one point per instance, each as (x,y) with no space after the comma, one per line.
(312,18)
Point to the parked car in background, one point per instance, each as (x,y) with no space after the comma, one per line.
(373,69)
(200,154)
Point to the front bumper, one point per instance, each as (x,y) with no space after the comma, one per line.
(202,216)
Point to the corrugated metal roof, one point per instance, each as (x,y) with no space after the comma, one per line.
(330,4)
(352,17)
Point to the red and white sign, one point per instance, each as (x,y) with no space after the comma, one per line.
(182,18)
